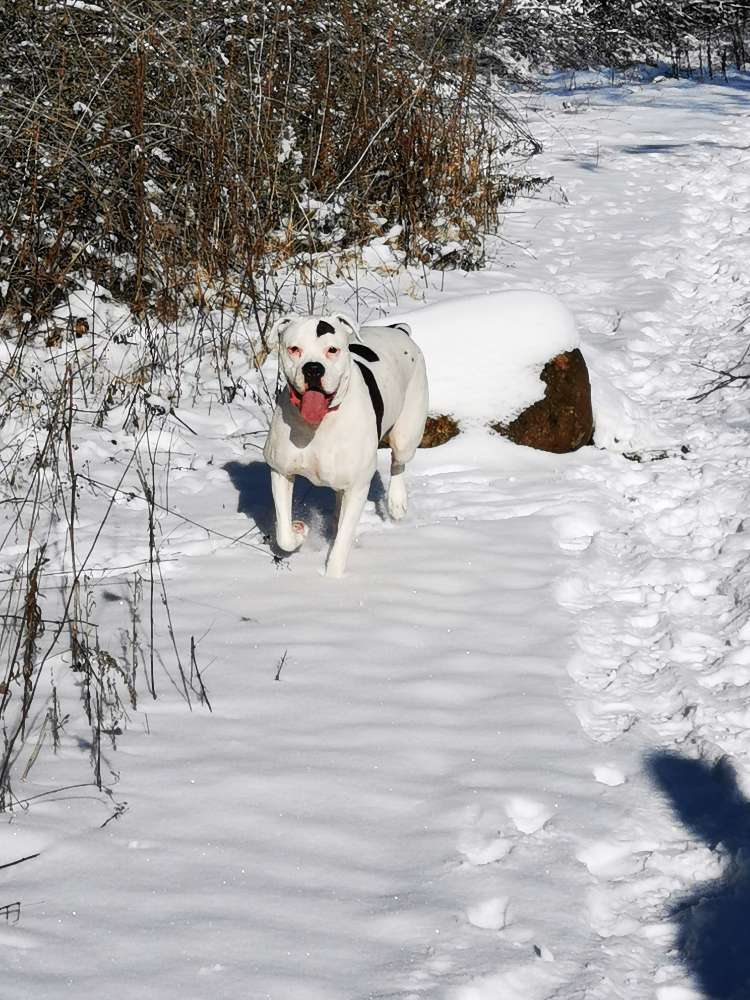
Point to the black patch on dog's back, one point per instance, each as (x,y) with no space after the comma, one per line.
(375,398)
(403,327)
(323,328)
(364,352)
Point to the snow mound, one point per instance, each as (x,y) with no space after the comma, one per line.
(485,353)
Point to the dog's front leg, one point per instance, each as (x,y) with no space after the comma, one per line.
(289,534)
(351,505)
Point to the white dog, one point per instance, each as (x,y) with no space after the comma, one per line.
(347,389)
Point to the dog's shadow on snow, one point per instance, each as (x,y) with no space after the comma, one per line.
(712,919)
(316,505)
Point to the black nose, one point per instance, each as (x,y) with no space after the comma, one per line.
(313,371)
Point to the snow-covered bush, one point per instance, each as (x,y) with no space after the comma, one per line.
(160,147)
(693,36)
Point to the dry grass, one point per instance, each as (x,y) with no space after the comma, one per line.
(163,149)
(439,430)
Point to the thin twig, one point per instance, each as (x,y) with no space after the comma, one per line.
(20,861)
(281,663)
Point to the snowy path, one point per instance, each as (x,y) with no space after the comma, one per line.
(444,795)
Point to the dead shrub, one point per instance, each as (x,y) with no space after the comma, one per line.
(151,144)
(438,430)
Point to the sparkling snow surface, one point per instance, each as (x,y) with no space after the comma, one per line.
(486,771)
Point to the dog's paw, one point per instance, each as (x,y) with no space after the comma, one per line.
(397,504)
(397,499)
(334,569)
(292,542)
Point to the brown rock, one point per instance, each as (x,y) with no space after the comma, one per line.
(563,420)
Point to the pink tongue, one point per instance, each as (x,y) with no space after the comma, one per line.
(314,406)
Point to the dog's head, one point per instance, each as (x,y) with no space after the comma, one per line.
(314,357)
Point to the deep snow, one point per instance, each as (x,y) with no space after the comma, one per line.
(486,771)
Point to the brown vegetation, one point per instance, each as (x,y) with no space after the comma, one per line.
(438,430)
(163,148)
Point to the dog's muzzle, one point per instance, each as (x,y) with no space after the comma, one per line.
(313,404)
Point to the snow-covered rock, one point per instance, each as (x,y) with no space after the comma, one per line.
(563,420)
(485,353)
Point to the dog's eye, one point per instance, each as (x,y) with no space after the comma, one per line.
(332,351)
(293,352)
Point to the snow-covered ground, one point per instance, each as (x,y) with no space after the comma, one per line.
(488,763)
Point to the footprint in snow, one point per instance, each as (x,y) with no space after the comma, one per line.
(490,914)
(604,918)
(480,851)
(616,859)
(527,815)
(608,775)
(479,842)
(496,914)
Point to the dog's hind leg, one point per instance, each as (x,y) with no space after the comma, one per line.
(352,503)
(289,534)
(337,507)
(397,499)
(404,438)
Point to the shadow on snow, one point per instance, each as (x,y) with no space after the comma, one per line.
(313,504)
(713,920)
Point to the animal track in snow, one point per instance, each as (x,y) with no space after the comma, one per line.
(575,531)
(491,914)
(527,815)
(609,775)
(614,860)
(479,851)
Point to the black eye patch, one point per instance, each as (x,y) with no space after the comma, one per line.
(323,328)
(364,352)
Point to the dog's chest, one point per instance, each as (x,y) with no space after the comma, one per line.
(337,454)
(313,465)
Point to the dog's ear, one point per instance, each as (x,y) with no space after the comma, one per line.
(348,322)
(274,335)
